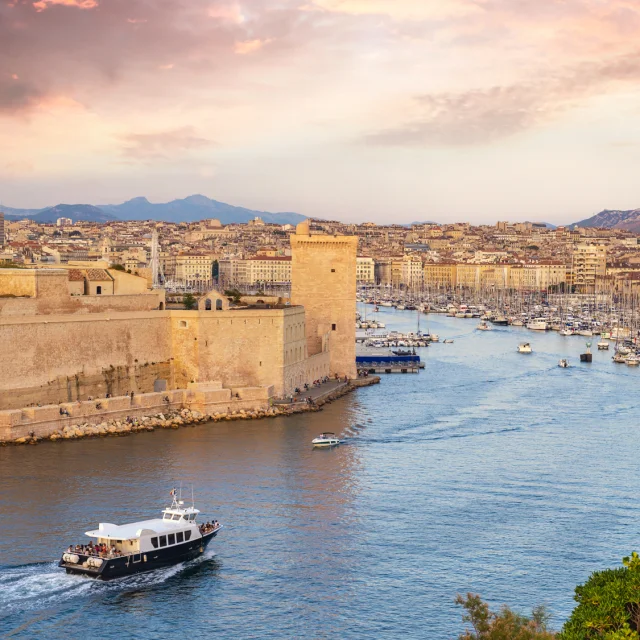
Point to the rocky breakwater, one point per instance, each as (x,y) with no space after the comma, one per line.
(186,417)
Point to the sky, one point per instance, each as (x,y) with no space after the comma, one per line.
(359,110)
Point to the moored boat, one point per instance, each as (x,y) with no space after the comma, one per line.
(525,347)
(123,550)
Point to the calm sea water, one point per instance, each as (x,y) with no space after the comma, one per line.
(489,471)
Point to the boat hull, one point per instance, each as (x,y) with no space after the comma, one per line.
(150,561)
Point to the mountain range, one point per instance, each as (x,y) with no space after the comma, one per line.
(191,209)
(614,219)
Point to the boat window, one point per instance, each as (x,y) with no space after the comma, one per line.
(186,516)
(187,535)
(176,517)
(180,536)
(172,538)
(163,541)
(167,516)
(154,542)
(193,516)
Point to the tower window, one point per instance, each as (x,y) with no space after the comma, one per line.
(333,270)
(333,327)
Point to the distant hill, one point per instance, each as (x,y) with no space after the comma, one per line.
(613,219)
(189,209)
(192,209)
(85,212)
(18,214)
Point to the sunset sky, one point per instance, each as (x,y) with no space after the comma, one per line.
(382,110)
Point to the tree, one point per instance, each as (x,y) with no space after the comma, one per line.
(215,269)
(505,625)
(189,301)
(117,267)
(234,295)
(608,605)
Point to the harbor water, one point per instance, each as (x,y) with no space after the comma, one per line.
(489,471)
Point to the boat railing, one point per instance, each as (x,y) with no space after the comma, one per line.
(105,555)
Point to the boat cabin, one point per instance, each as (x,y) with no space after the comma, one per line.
(177,526)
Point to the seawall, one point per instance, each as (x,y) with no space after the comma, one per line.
(146,412)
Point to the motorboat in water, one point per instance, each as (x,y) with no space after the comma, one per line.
(448,341)
(483,326)
(525,347)
(603,345)
(564,363)
(327,439)
(538,324)
(123,550)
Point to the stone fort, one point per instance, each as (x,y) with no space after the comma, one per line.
(75,334)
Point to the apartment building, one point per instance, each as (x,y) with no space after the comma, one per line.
(440,274)
(365,270)
(194,269)
(256,270)
(588,263)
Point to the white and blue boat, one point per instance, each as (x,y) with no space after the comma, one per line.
(122,550)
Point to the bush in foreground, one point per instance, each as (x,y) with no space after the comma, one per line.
(608,609)
(505,625)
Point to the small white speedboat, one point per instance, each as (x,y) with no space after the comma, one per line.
(326,440)
(448,341)
(603,345)
(564,363)
(483,326)
(525,347)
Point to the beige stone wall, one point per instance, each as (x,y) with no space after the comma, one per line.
(80,304)
(247,347)
(45,420)
(17,282)
(323,280)
(127,283)
(61,358)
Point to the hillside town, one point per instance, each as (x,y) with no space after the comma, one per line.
(191,257)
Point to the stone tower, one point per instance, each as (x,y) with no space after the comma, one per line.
(323,280)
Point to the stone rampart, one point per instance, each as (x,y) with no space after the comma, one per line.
(42,422)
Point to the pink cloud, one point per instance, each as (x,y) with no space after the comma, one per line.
(250,46)
(41,5)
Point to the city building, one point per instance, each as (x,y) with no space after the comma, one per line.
(365,270)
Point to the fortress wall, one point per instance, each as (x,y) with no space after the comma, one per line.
(69,304)
(46,420)
(18,282)
(244,347)
(49,359)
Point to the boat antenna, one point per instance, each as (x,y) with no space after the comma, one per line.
(193,503)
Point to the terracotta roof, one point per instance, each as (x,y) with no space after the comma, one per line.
(98,274)
(75,275)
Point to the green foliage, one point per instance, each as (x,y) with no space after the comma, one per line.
(505,625)
(117,267)
(7,264)
(608,605)
(532,247)
(234,295)
(215,269)
(189,301)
